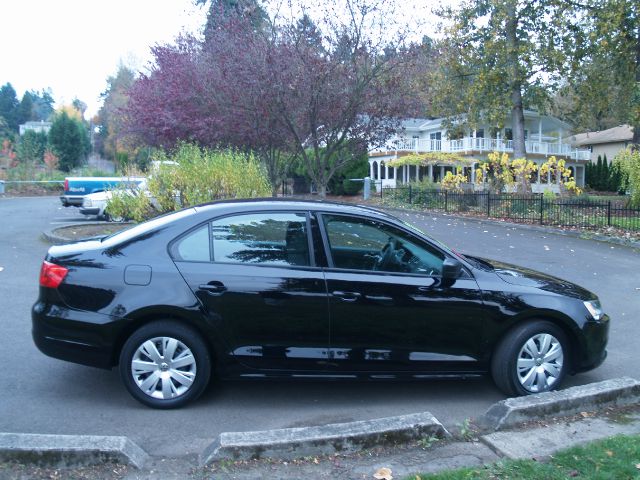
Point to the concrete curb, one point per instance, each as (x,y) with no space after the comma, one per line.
(70,450)
(52,237)
(514,411)
(292,443)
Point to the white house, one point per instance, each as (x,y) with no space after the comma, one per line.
(35,126)
(544,136)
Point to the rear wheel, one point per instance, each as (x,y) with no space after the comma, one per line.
(531,358)
(165,364)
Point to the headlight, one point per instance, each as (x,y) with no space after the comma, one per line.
(86,202)
(594,308)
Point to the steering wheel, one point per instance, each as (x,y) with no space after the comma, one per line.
(386,254)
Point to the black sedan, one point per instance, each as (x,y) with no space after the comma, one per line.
(268,288)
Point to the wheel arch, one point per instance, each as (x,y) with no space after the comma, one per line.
(139,319)
(568,327)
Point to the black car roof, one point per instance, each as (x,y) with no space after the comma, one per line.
(288,203)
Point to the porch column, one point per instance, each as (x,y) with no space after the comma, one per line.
(417,173)
(379,177)
(441,173)
(473,173)
(371,169)
(540,129)
(430,172)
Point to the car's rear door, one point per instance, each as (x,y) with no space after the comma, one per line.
(257,282)
(397,314)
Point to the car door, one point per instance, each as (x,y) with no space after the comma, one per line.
(390,308)
(255,278)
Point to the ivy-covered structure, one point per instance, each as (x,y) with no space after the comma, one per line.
(424,150)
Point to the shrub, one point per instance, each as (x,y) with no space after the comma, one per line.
(129,205)
(203,175)
(199,175)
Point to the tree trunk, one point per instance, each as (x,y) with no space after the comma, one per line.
(517,110)
(636,124)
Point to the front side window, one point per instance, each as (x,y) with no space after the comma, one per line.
(364,244)
(261,238)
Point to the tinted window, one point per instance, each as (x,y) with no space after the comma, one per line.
(261,238)
(194,247)
(363,244)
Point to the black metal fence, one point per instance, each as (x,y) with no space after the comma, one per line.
(527,208)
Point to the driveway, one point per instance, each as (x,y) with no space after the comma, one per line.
(44,395)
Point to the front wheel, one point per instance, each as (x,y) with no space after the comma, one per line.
(531,358)
(165,364)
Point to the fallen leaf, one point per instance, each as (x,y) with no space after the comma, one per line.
(638,466)
(383,473)
(573,473)
(316,461)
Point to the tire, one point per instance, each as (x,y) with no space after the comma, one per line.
(109,218)
(165,383)
(532,358)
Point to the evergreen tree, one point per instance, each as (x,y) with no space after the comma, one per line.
(9,106)
(68,139)
(604,179)
(25,109)
(597,180)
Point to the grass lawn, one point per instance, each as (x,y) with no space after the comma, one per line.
(616,458)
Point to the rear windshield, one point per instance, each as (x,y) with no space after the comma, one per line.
(139,229)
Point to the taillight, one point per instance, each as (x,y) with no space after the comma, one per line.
(66,184)
(51,275)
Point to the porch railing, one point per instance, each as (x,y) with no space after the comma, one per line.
(469,144)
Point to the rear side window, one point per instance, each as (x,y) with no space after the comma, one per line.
(194,247)
(261,238)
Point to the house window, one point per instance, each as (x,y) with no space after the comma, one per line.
(436,143)
(480,133)
(508,134)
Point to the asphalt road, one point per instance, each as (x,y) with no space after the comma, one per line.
(44,395)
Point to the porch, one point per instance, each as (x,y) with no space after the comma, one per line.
(479,145)
(389,176)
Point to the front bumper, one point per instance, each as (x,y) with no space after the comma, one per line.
(90,210)
(596,337)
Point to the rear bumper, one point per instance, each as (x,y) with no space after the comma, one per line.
(70,335)
(71,200)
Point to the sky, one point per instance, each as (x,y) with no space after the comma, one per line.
(72,46)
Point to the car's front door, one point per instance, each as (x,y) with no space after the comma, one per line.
(255,279)
(390,308)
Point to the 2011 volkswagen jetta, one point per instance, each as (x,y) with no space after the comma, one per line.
(267,288)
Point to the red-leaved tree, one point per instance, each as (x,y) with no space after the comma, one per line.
(281,90)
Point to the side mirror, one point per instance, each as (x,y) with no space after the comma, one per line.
(451,269)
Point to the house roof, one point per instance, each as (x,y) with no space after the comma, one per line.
(622,133)
(417,123)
